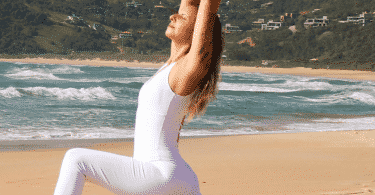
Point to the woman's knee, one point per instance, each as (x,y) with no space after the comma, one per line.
(74,154)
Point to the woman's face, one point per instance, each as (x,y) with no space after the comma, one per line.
(181,27)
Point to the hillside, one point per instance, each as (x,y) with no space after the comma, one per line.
(42,27)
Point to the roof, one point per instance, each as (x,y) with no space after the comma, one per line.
(247,40)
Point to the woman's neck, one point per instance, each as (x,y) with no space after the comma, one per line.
(178,52)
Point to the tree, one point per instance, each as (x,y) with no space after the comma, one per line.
(278,7)
(30,31)
(124,25)
(129,42)
(300,23)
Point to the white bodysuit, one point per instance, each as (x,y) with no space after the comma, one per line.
(156,166)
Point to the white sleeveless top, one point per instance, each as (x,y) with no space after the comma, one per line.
(158,120)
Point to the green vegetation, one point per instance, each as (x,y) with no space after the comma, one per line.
(335,44)
(34,28)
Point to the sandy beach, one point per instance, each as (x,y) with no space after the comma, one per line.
(338,162)
(301,71)
(301,163)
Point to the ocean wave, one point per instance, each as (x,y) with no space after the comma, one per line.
(60,133)
(345,97)
(10,92)
(363,97)
(366,123)
(20,63)
(253,87)
(41,73)
(29,74)
(67,70)
(88,94)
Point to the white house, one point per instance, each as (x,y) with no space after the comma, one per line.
(362,19)
(258,24)
(266,4)
(125,34)
(229,28)
(271,25)
(316,22)
(133,4)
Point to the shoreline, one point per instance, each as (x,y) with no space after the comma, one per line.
(33,145)
(297,71)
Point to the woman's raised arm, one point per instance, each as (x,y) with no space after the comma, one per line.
(201,49)
(191,2)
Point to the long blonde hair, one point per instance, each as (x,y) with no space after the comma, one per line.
(208,89)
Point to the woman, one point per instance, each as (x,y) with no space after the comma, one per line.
(183,86)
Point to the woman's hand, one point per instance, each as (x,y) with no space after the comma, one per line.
(191,2)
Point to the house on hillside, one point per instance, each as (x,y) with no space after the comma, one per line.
(258,24)
(362,19)
(266,4)
(94,26)
(125,34)
(224,3)
(315,10)
(247,40)
(73,17)
(133,4)
(293,28)
(222,15)
(304,12)
(271,25)
(287,16)
(142,33)
(316,22)
(230,29)
(160,5)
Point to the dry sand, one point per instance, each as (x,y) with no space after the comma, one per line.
(301,163)
(342,74)
(95,62)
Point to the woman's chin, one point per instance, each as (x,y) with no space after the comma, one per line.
(168,35)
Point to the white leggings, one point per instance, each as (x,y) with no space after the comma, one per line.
(123,174)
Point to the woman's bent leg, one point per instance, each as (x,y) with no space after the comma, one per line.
(71,180)
(119,174)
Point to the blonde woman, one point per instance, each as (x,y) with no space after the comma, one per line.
(184,86)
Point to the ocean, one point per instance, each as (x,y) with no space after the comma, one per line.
(65,102)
